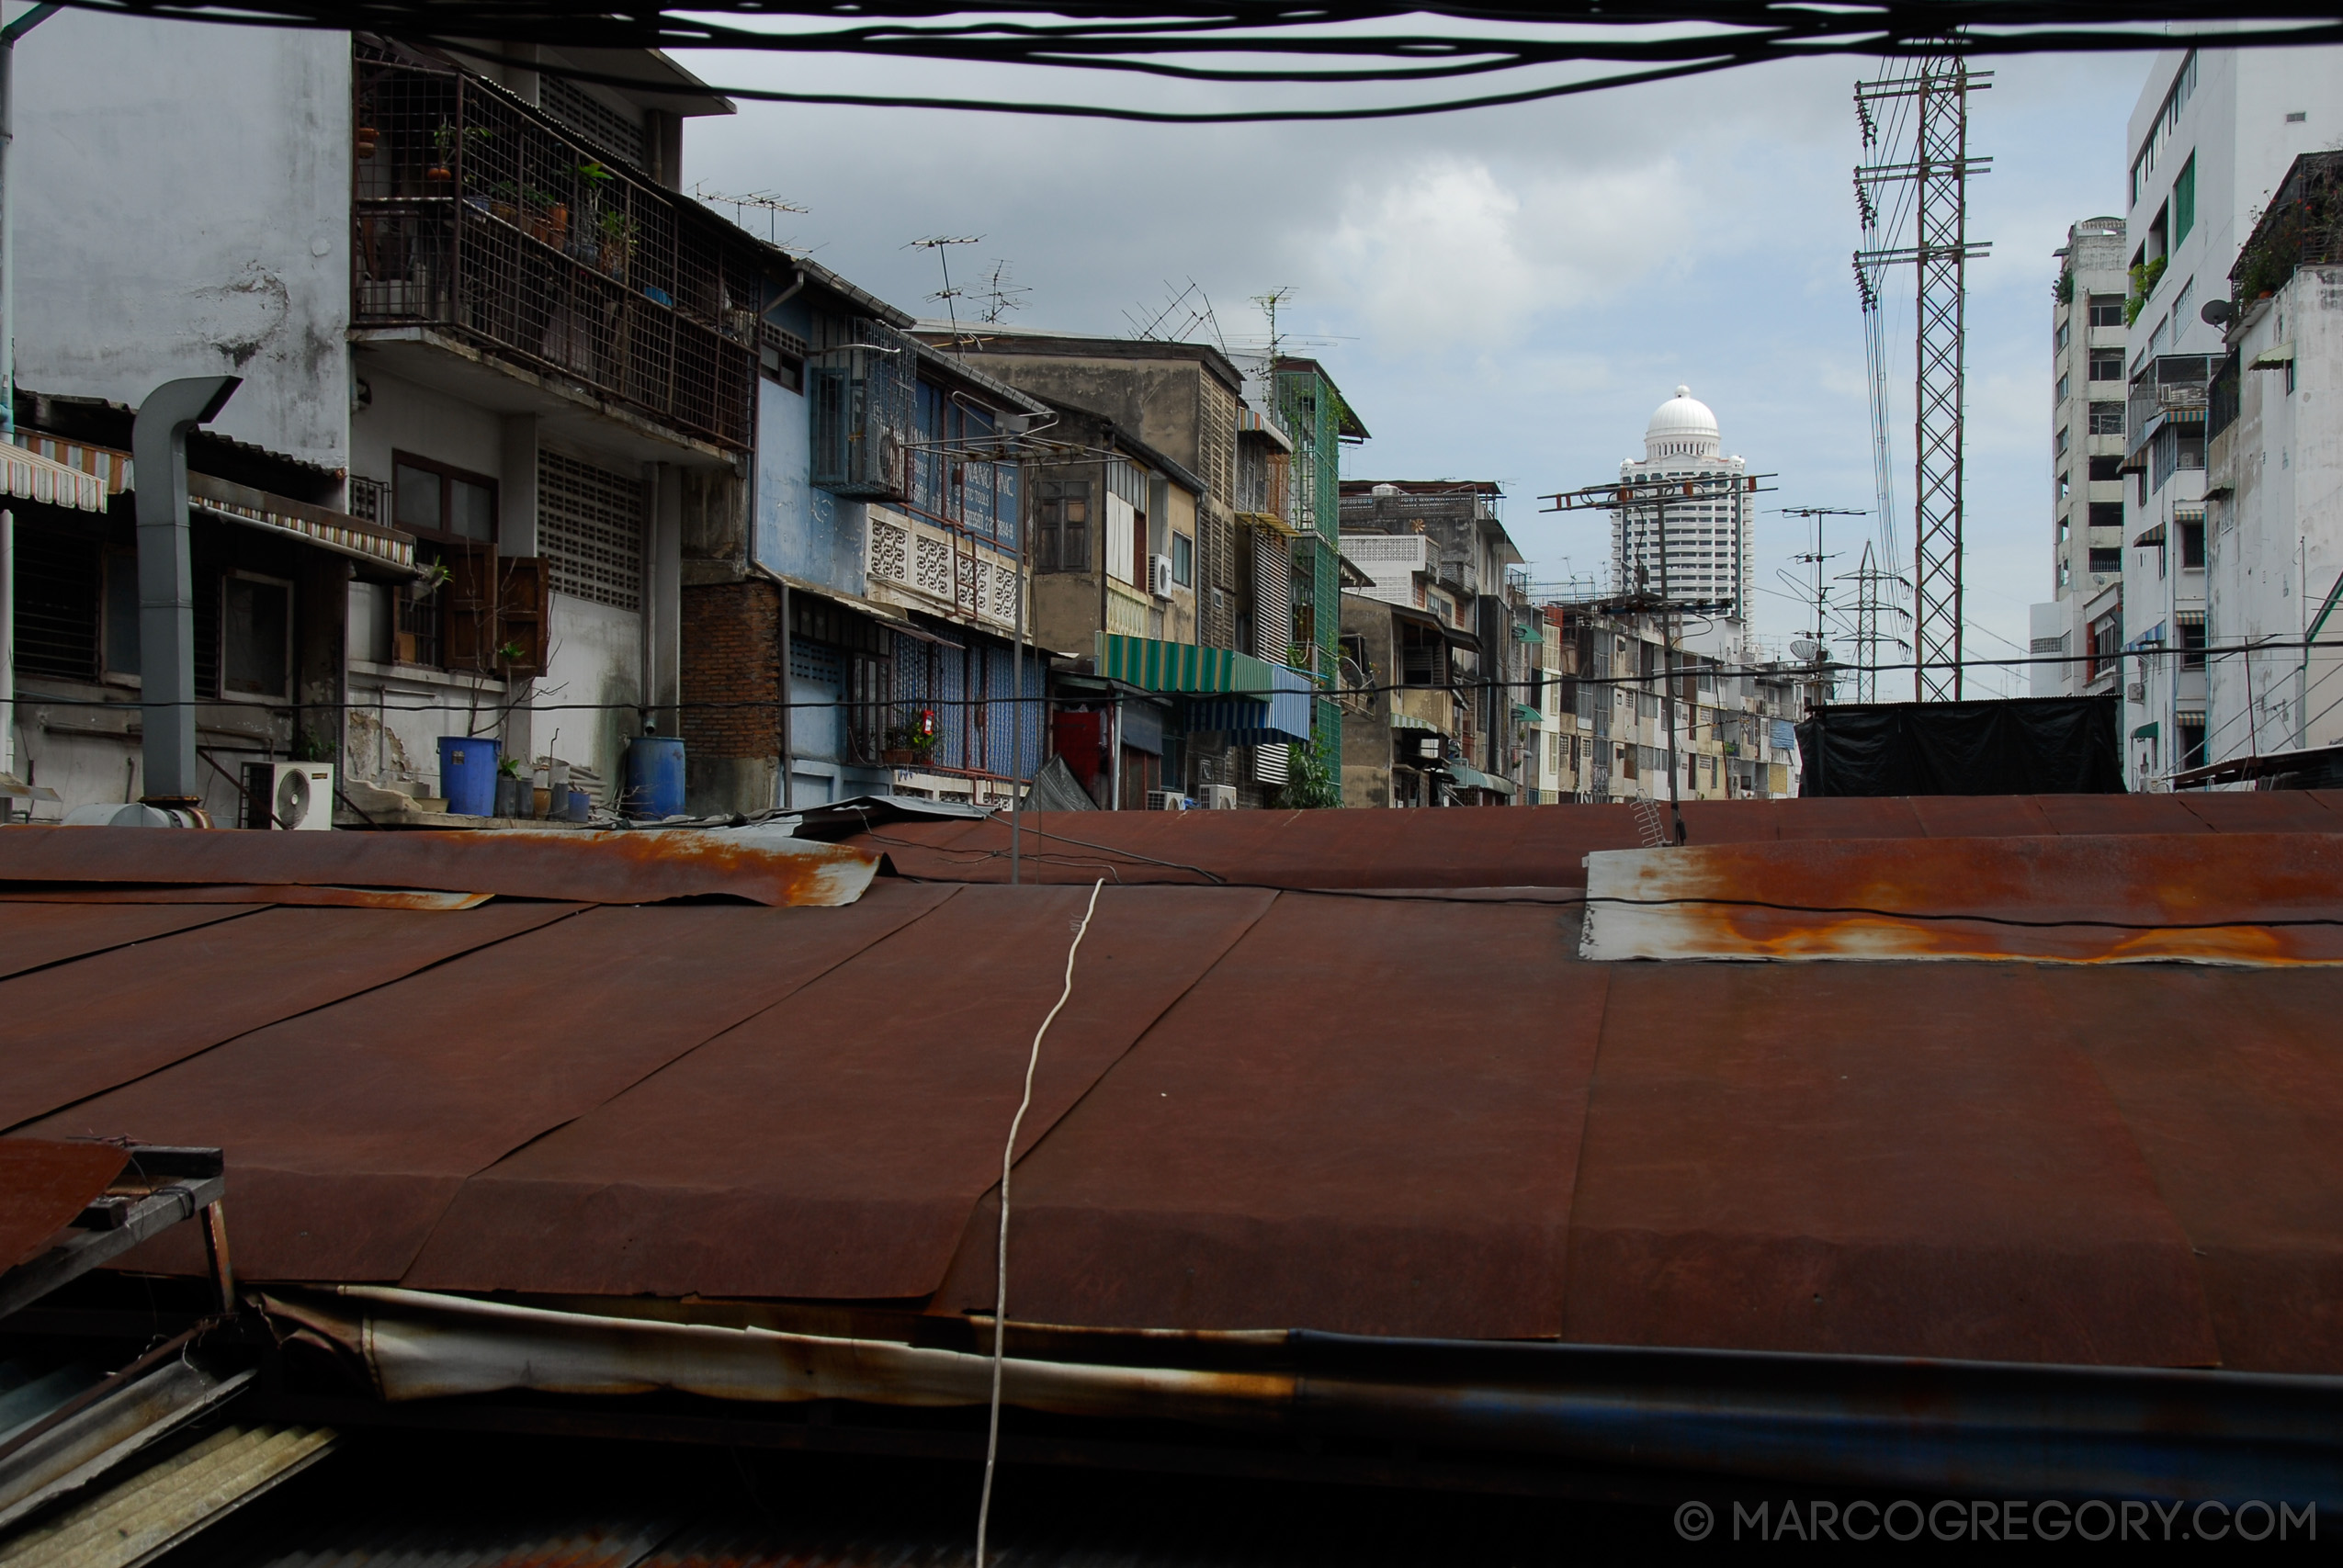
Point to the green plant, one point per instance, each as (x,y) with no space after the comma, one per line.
(436,576)
(315,747)
(508,654)
(2144,278)
(1312,784)
(509,767)
(2063,289)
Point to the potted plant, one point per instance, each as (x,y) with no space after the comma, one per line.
(911,744)
(443,153)
(617,244)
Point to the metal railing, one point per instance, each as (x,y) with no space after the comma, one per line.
(2168,390)
(476,216)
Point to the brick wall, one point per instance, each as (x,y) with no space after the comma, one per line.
(731,656)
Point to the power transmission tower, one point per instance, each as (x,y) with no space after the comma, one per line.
(1879,596)
(1936,166)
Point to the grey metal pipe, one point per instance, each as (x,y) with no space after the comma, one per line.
(166,581)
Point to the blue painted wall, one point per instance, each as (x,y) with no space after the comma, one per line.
(799,531)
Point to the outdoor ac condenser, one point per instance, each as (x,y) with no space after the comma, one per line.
(1220,797)
(297,796)
(1158,576)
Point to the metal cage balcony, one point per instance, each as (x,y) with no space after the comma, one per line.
(474,216)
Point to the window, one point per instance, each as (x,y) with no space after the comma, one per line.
(2065,485)
(2187,734)
(255,636)
(2107,364)
(2058,339)
(433,500)
(2061,442)
(2189,623)
(1183,561)
(2107,469)
(2107,310)
(2107,513)
(2106,560)
(2193,546)
(452,514)
(1061,526)
(2107,419)
(2063,388)
(2063,530)
(2184,201)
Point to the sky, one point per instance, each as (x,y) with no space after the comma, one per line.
(1502,293)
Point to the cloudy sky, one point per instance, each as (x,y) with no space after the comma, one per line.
(1501,293)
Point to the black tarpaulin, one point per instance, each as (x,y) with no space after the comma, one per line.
(2021,746)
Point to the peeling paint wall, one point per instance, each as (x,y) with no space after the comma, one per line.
(182,204)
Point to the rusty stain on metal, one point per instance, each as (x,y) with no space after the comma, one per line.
(252,894)
(644,867)
(44,1185)
(2204,897)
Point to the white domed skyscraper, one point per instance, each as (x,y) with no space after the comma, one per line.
(1710,552)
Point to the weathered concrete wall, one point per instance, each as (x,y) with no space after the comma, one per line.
(182,201)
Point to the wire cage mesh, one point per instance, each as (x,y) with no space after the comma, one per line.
(475,215)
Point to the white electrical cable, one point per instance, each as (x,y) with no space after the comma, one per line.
(1001,1257)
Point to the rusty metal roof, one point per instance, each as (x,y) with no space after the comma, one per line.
(1537,846)
(1419,1114)
(44,1186)
(642,867)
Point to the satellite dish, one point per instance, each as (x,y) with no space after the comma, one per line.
(1806,650)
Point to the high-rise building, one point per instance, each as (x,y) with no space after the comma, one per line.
(2086,444)
(2211,138)
(1696,547)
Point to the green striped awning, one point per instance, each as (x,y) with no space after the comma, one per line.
(1154,665)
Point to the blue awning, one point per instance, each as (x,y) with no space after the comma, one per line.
(1283,716)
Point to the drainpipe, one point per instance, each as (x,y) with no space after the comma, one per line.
(166,592)
(783,793)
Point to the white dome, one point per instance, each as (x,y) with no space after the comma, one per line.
(1681,427)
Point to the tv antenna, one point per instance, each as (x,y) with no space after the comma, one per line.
(1001,293)
(765,201)
(942,245)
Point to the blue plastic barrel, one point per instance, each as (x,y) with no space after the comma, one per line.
(468,774)
(654,787)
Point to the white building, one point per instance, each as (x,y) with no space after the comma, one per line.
(2086,368)
(2274,484)
(2213,136)
(1699,548)
(481,332)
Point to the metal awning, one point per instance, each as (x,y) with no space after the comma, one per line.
(2277,358)
(1409,721)
(1524,714)
(1527,631)
(336,531)
(1465,776)
(2152,536)
(1154,665)
(2188,512)
(33,477)
(2147,731)
(887,616)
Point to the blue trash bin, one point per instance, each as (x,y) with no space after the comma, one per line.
(654,787)
(468,774)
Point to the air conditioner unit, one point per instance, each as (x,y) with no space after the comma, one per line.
(2136,692)
(1158,576)
(1220,797)
(1167,800)
(298,795)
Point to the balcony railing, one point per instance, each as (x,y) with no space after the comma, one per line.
(477,217)
(2169,389)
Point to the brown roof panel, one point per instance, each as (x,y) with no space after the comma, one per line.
(120,1015)
(44,1186)
(569,864)
(33,936)
(2262,811)
(2120,813)
(2231,1085)
(348,1129)
(1892,1160)
(1365,1118)
(835,1146)
(1979,816)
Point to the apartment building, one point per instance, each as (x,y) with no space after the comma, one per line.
(2088,375)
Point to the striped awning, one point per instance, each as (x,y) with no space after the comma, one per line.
(1409,721)
(1154,665)
(1465,776)
(32,476)
(336,531)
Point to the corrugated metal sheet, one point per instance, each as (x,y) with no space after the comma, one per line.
(168,1504)
(44,1186)
(585,867)
(250,894)
(2255,898)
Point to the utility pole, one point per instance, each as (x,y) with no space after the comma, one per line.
(8,36)
(1938,168)
(1815,557)
(1627,501)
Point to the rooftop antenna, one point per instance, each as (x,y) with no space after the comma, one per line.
(1269,303)
(772,205)
(1001,293)
(942,245)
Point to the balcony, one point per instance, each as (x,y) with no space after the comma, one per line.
(2171,389)
(477,218)
(914,564)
